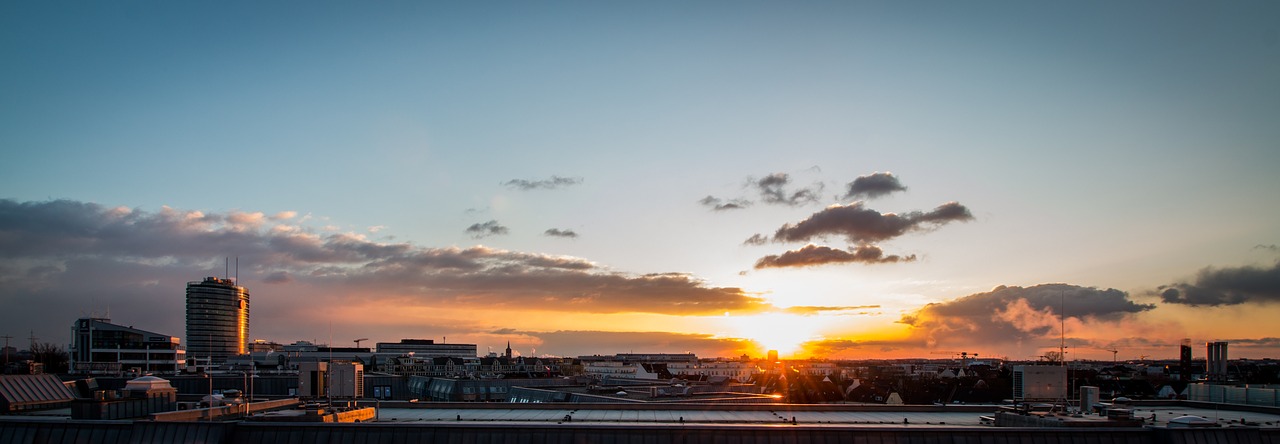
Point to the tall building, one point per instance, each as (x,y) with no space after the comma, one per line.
(99,347)
(217,319)
(1216,361)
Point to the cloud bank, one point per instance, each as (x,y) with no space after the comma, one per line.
(1010,314)
(57,256)
(1226,286)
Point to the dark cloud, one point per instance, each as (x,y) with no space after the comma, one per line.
(874,185)
(1227,286)
(814,255)
(556,232)
(279,277)
(486,229)
(53,254)
(808,310)
(1272,248)
(860,224)
(718,204)
(1007,314)
(774,189)
(756,239)
(545,184)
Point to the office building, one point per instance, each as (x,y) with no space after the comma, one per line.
(427,348)
(1216,361)
(217,320)
(99,347)
(1039,382)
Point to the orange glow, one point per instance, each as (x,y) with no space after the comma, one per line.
(785,333)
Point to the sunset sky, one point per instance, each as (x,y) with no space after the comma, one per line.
(850,179)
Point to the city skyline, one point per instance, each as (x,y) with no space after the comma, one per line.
(845,180)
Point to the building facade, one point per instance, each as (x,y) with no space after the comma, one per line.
(428,348)
(217,319)
(99,347)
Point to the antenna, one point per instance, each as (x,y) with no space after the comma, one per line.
(237,270)
(1062,331)
(226,268)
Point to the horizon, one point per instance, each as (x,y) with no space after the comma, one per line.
(828,179)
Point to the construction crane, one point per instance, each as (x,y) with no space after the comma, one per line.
(357,341)
(1114,352)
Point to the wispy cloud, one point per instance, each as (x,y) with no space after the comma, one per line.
(486,229)
(776,189)
(556,232)
(814,255)
(542,184)
(1226,286)
(874,185)
(719,204)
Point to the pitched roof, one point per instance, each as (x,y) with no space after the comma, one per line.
(31,392)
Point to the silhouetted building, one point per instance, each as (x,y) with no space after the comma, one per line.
(1184,360)
(427,348)
(217,319)
(99,347)
(1216,361)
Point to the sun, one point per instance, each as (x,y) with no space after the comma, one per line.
(786,333)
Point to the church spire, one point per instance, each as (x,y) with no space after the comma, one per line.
(508,349)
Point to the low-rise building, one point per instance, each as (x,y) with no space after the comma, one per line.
(99,347)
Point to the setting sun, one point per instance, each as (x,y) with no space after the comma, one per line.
(785,333)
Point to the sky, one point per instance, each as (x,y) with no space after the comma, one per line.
(846,180)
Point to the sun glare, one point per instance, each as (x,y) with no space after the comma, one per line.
(785,333)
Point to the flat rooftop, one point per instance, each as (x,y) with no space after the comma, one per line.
(843,415)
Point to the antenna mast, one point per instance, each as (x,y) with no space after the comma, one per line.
(1062,330)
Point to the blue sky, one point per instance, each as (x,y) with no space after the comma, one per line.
(1096,144)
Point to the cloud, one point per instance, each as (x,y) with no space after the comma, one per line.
(1009,314)
(773,189)
(544,184)
(612,342)
(1272,248)
(718,204)
(556,232)
(284,215)
(54,253)
(756,239)
(874,185)
(809,310)
(860,224)
(279,277)
(1226,286)
(486,229)
(814,255)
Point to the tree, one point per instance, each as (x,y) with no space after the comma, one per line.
(52,356)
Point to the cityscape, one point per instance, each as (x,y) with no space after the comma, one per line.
(704,221)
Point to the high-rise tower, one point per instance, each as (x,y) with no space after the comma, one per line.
(217,319)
